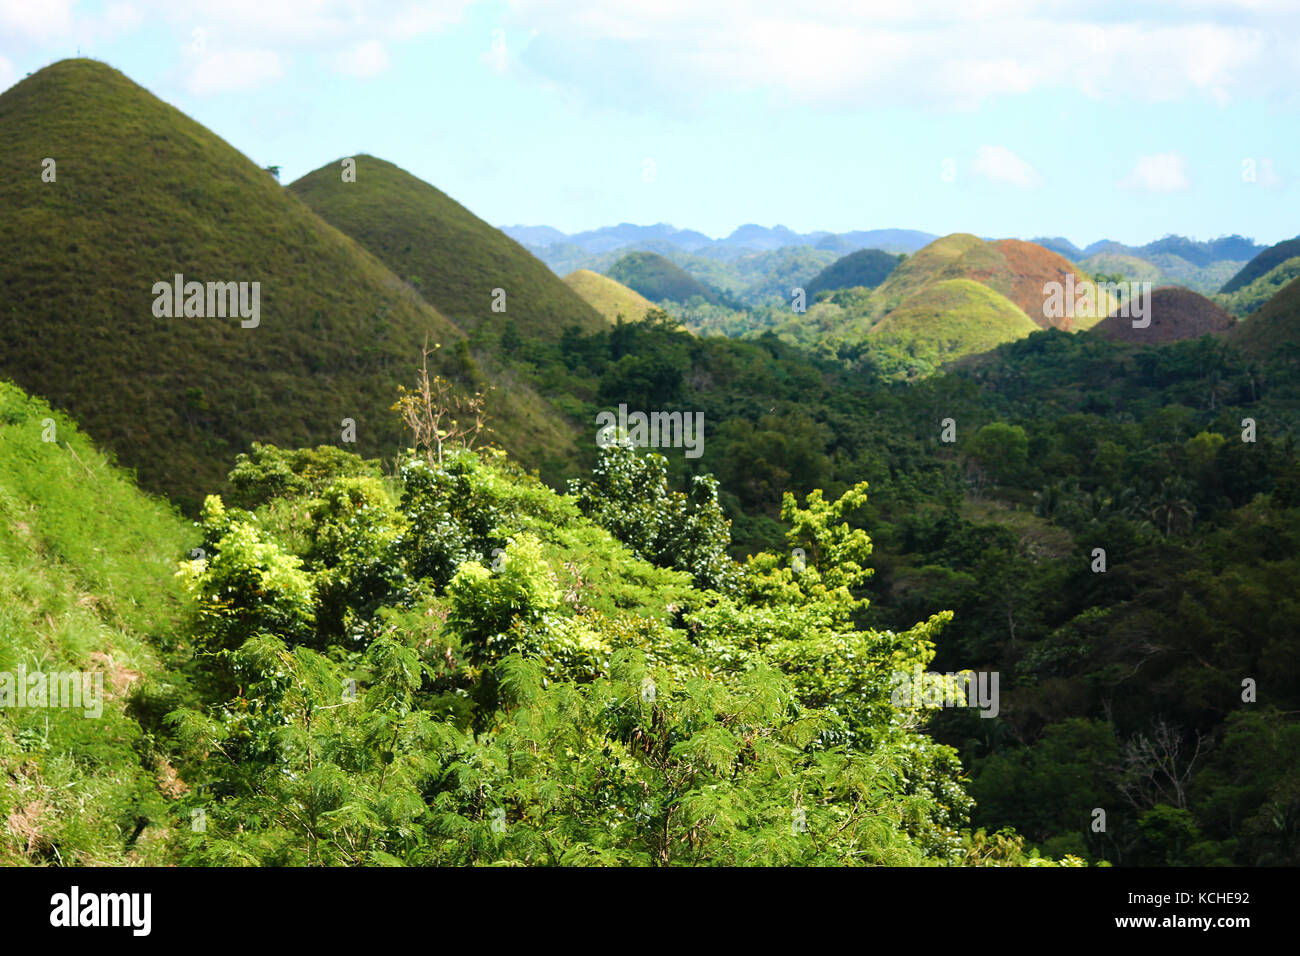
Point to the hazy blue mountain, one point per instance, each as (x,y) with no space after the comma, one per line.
(608,238)
(563,250)
(533,235)
(758,238)
(1198,253)
(1061,246)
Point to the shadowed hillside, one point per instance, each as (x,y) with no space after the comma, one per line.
(1248,298)
(1274,330)
(659,279)
(866,267)
(1262,264)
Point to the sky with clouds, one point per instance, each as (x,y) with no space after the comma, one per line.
(1089,120)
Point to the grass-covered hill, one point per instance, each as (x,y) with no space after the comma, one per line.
(659,279)
(610,298)
(1015,269)
(927,313)
(140,193)
(1272,331)
(1176,313)
(1264,263)
(87,565)
(925,266)
(865,268)
(951,319)
(1019,270)
(452,257)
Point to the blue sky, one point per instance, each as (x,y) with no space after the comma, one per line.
(1087,120)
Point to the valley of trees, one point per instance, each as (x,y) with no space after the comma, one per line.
(1122,689)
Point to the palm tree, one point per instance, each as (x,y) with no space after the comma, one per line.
(1172,505)
(1130,503)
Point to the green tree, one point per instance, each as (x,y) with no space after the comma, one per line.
(999,451)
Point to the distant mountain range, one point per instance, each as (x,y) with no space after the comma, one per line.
(1197,253)
(744,239)
(1203,265)
(754,238)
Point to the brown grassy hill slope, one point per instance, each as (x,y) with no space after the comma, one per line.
(1176,313)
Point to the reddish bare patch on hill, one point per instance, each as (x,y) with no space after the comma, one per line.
(1029,268)
(1019,270)
(1176,313)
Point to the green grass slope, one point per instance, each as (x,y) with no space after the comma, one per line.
(919,270)
(953,318)
(610,298)
(866,268)
(141,193)
(452,257)
(87,583)
(659,279)
(1262,264)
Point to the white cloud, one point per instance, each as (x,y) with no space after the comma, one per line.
(58,28)
(8,75)
(1161,173)
(352,36)
(321,25)
(849,52)
(223,71)
(1000,165)
(823,53)
(367,58)
(259,37)
(38,22)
